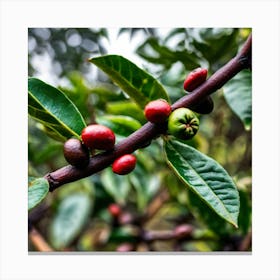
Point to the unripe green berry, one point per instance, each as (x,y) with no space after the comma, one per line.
(76,153)
(183,123)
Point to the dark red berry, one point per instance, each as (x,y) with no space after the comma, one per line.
(157,111)
(76,153)
(114,209)
(195,79)
(97,136)
(206,106)
(124,164)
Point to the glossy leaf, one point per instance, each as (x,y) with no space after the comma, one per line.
(54,110)
(72,213)
(38,188)
(121,125)
(137,83)
(238,94)
(127,108)
(205,177)
(207,216)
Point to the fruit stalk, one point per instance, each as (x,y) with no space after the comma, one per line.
(149,130)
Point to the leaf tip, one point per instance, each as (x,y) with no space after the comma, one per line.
(235,225)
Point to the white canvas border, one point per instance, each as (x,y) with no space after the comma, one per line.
(17,16)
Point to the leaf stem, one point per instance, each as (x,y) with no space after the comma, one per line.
(151,131)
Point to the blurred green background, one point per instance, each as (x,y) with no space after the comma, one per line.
(76,217)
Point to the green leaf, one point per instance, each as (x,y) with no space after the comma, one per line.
(206,178)
(72,213)
(238,94)
(217,45)
(156,53)
(121,125)
(207,216)
(137,83)
(127,108)
(38,188)
(78,91)
(117,186)
(52,108)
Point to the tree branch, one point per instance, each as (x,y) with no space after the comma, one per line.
(150,131)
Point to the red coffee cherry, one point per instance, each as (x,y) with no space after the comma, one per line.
(157,111)
(114,209)
(76,153)
(124,164)
(97,136)
(195,79)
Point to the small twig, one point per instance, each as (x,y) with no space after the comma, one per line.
(180,232)
(38,241)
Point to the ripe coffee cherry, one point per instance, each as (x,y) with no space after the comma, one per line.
(183,123)
(195,79)
(114,209)
(97,136)
(76,153)
(124,164)
(157,111)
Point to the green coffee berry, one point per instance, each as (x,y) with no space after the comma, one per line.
(183,123)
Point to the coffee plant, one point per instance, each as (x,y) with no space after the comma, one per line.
(145,159)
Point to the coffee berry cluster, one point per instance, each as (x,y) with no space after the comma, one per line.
(96,137)
(181,123)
